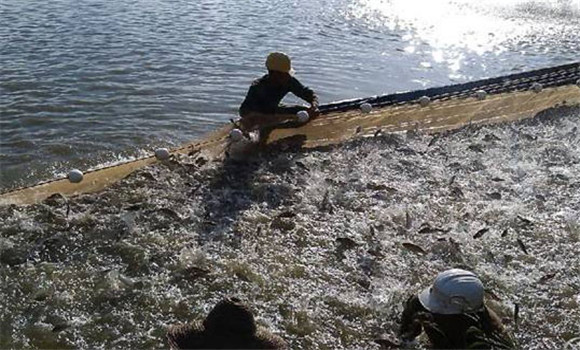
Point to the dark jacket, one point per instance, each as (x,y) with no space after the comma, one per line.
(264,97)
(480,330)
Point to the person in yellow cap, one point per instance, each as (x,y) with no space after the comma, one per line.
(261,107)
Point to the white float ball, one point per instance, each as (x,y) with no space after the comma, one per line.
(537,87)
(302,116)
(75,176)
(424,101)
(366,107)
(480,94)
(162,153)
(236,135)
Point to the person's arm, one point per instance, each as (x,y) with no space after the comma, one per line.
(304,93)
(250,102)
(410,326)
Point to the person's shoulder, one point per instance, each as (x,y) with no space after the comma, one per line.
(294,80)
(260,80)
(185,336)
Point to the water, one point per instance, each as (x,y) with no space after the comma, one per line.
(86,83)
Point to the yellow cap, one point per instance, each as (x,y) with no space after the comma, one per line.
(279,62)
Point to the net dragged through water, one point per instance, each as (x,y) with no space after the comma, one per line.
(508,98)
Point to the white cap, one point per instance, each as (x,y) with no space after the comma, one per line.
(453,292)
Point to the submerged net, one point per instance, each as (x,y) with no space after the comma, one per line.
(508,98)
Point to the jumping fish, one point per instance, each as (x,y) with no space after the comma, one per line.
(547,277)
(433,140)
(516,314)
(480,233)
(525,221)
(521,244)
(414,248)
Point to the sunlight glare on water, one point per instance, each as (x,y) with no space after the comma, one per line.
(451,30)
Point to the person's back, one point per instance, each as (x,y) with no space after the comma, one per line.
(230,325)
(456,331)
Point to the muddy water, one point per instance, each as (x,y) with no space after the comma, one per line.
(312,240)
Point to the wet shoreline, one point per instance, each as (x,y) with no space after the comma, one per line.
(325,244)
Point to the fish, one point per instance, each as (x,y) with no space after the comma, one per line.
(516,314)
(408,220)
(452,180)
(457,192)
(169,212)
(134,207)
(480,233)
(521,244)
(325,203)
(388,343)
(433,140)
(301,165)
(379,187)
(60,327)
(529,137)
(491,137)
(346,243)
(414,248)
(494,195)
(287,214)
(525,221)
(492,294)
(547,277)
(476,148)
(426,228)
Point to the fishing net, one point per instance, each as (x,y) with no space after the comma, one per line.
(494,100)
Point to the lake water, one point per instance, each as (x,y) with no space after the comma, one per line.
(87,83)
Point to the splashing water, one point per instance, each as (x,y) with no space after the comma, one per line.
(312,240)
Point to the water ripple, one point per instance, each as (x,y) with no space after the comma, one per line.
(164,73)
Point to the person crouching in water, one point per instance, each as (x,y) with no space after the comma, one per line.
(261,108)
(453,315)
(229,325)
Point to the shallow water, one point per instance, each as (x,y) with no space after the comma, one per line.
(88,83)
(312,240)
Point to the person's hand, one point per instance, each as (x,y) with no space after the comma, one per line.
(313,112)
